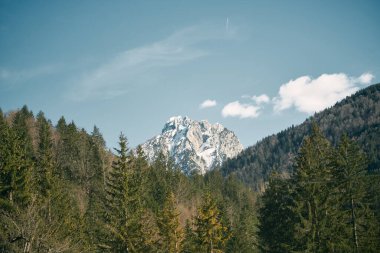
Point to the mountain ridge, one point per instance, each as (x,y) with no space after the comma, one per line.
(195,146)
(357,115)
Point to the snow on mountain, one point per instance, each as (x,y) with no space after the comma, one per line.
(194,145)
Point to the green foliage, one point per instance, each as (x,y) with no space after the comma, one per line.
(276,216)
(244,234)
(311,181)
(210,232)
(358,116)
(170,231)
(189,239)
(356,228)
(15,166)
(36,212)
(328,204)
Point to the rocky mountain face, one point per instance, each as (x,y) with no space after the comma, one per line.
(195,146)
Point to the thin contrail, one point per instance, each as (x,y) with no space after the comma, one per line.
(227,23)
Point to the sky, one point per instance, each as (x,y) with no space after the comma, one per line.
(256,67)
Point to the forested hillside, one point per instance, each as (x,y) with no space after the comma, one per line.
(61,190)
(358,116)
(331,203)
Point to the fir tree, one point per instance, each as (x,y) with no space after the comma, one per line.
(170,231)
(115,200)
(124,204)
(312,180)
(244,233)
(45,163)
(15,166)
(276,217)
(355,225)
(209,230)
(189,239)
(95,212)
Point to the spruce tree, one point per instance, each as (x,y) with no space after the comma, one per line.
(15,166)
(170,231)
(43,176)
(95,212)
(312,182)
(115,200)
(209,230)
(356,223)
(276,217)
(189,239)
(124,205)
(244,234)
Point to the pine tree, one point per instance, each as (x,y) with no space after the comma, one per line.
(43,176)
(124,205)
(244,233)
(95,212)
(160,178)
(355,225)
(170,231)
(21,125)
(276,217)
(189,239)
(210,232)
(115,200)
(15,166)
(312,181)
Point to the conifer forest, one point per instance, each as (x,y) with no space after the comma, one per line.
(63,190)
(175,126)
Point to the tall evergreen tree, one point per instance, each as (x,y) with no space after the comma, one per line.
(45,163)
(126,216)
(209,230)
(170,231)
(189,239)
(15,166)
(95,212)
(276,217)
(115,199)
(244,234)
(356,224)
(312,180)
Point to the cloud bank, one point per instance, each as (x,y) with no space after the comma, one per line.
(313,95)
(304,94)
(207,104)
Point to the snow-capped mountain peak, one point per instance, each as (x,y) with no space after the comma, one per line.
(194,145)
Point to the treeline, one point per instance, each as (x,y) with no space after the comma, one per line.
(331,203)
(357,115)
(61,190)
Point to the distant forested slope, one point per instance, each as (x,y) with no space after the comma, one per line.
(357,115)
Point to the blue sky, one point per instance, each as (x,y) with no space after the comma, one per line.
(256,67)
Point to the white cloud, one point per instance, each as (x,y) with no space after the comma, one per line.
(236,109)
(262,99)
(365,78)
(312,95)
(207,104)
(130,67)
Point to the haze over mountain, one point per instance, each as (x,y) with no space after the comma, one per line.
(195,146)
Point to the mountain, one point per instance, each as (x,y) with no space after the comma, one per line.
(358,116)
(195,146)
